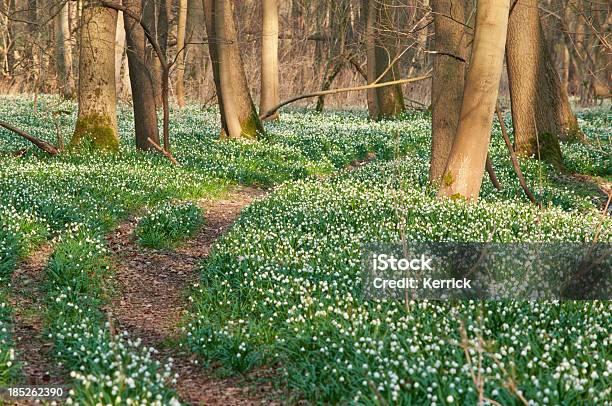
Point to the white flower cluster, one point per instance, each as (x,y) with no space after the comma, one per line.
(8,366)
(168,224)
(284,286)
(106,369)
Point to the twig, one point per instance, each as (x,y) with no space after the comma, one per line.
(164,152)
(44,145)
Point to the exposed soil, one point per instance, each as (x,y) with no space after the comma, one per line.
(150,300)
(33,350)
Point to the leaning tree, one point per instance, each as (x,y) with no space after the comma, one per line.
(466,162)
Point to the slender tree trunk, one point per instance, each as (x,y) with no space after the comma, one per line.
(334,67)
(126,88)
(269,58)
(449,65)
(210,18)
(119,51)
(63,51)
(196,64)
(466,163)
(239,116)
(388,101)
(181,30)
(538,100)
(97,118)
(155,16)
(10,45)
(566,69)
(143,100)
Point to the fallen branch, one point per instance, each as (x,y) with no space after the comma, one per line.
(515,162)
(164,152)
(44,145)
(341,90)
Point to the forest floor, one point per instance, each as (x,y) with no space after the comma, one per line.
(152,298)
(273,303)
(27,299)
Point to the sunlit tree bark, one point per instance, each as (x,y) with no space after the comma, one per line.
(448,79)
(466,163)
(269,58)
(181,29)
(63,52)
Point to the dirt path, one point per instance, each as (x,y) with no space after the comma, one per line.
(150,302)
(33,350)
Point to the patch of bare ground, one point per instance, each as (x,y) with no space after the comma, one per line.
(34,350)
(150,301)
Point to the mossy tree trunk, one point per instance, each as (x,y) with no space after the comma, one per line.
(239,117)
(143,96)
(450,61)
(540,108)
(96,124)
(466,163)
(384,102)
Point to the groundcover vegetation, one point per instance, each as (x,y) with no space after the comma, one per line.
(282,288)
(71,201)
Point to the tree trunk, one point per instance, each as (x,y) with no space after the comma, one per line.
(388,101)
(63,58)
(448,79)
(565,80)
(97,118)
(269,58)
(238,114)
(466,163)
(196,64)
(333,69)
(143,100)
(154,14)
(538,100)
(181,30)
(119,52)
(210,19)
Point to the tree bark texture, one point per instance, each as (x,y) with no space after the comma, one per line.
(96,123)
(269,58)
(383,102)
(466,163)
(540,107)
(143,100)
(449,65)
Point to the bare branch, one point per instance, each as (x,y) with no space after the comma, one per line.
(342,90)
(164,152)
(43,145)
